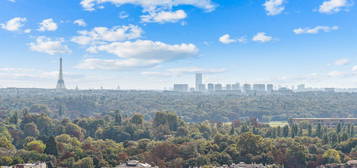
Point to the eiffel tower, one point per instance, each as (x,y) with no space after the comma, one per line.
(60,82)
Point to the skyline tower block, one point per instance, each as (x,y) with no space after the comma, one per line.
(60,82)
(199,81)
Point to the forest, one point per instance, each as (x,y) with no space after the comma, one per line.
(168,141)
(191,107)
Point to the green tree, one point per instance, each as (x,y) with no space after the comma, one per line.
(36,145)
(137,119)
(6,143)
(331,156)
(5,161)
(86,162)
(14,119)
(51,146)
(286,131)
(30,129)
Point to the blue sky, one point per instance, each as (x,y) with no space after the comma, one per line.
(151,44)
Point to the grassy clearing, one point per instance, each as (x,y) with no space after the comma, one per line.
(278,123)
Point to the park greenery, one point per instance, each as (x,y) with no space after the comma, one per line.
(103,128)
(169,141)
(191,107)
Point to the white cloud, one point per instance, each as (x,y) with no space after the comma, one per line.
(146,49)
(27,31)
(164,16)
(102,34)
(341,62)
(226,39)
(12,1)
(336,73)
(80,22)
(262,37)
(184,70)
(123,15)
(48,25)
(141,53)
(150,5)
(49,46)
(14,24)
(113,64)
(334,6)
(315,30)
(354,68)
(274,7)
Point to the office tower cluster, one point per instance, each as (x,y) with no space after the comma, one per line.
(200,86)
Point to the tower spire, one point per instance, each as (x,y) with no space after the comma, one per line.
(60,82)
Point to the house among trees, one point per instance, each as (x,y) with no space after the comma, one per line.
(27,165)
(134,164)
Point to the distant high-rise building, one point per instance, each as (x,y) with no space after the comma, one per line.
(259,87)
(301,87)
(218,87)
(270,88)
(210,87)
(202,87)
(228,87)
(330,90)
(60,82)
(181,87)
(247,88)
(199,81)
(236,86)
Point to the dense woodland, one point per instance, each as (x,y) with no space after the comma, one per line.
(191,107)
(168,141)
(105,128)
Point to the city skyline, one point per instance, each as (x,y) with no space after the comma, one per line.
(152,45)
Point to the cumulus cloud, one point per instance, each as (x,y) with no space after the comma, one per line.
(47,45)
(336,74)
(164,16)
(14,24)
(141,53)
(226,39)
(150,5)
(113,64)
(341,62)
(48,25)
(315,30)
(354,68)
(183,70)
(104,34)
(262,37)
(334,6)
(80,22)
(274,7)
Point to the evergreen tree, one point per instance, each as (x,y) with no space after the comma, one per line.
(309,130)
(278,131)
(319,131)
(286,131)
(14,119)
(232,132)
(51,146)
(117,117)
(338,128)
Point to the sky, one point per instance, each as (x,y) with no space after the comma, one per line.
(152,44)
